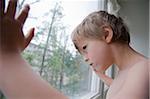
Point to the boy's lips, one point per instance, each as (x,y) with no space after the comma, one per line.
(93,65)
(96,68)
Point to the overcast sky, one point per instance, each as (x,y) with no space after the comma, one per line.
(74,10)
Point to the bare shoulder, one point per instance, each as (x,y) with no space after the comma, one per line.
(140,68)
(139,71)
(137,82)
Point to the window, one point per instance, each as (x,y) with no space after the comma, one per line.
(51,52)
(1,95)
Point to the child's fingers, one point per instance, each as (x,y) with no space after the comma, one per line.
(2,7)
(29,37)
(24,14)
(11,10)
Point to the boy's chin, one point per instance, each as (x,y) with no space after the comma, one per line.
(101,69)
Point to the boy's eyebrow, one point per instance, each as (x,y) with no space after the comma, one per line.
(77,48)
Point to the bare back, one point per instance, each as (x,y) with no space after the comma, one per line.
(132,83)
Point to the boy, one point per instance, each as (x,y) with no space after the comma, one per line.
(17,80)
(103,40)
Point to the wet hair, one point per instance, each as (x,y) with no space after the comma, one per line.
(92,27)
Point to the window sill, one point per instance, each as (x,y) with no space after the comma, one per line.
(91,95)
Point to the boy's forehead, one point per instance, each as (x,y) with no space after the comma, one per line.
(80,41)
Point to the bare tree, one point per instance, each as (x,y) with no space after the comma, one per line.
(54,12)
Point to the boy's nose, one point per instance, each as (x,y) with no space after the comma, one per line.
(86,59)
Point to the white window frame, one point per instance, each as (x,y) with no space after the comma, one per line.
(94,86)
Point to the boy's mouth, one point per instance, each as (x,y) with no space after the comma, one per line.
(95,67)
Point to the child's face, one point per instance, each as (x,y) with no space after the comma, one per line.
(96,53)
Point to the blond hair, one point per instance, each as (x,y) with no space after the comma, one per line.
(92,27)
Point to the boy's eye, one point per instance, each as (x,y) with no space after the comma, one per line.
(84,47)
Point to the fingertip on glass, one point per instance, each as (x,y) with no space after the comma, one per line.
(26,8)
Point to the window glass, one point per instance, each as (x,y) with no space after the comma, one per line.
(51,52)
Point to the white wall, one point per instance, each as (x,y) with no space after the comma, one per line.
(136,14)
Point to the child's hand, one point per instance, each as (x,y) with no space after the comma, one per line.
(11,35)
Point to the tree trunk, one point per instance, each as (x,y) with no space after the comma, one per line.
(45,49)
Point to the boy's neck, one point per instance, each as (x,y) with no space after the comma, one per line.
(125,56)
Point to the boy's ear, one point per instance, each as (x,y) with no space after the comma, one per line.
(108,34)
